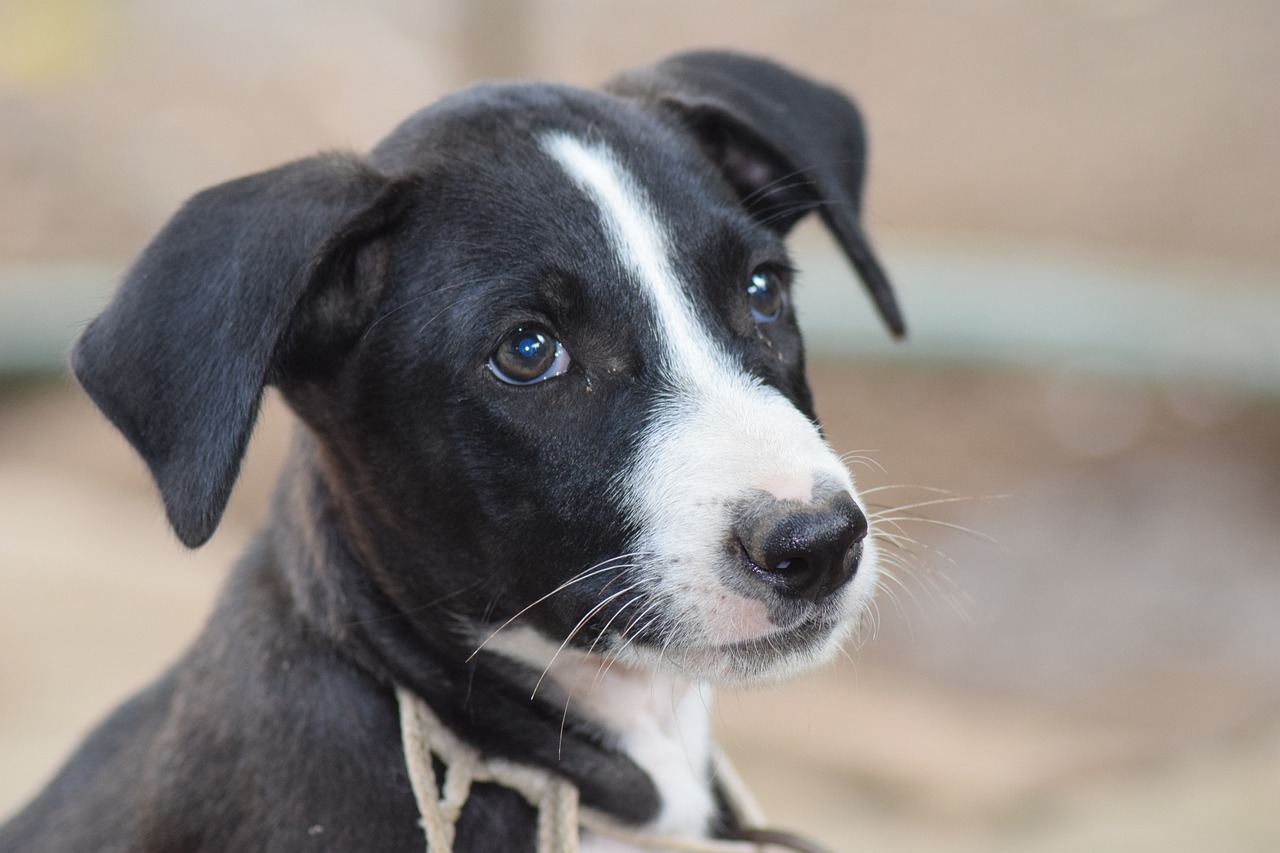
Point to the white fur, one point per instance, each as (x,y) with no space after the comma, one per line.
(660,721)
(719,436)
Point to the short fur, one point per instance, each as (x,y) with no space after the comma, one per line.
(426,503)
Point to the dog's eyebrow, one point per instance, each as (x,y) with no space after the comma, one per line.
(637,235)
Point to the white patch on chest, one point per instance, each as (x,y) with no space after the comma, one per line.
(660,722)
(664,725)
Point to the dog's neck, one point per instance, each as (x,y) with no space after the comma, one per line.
(660,721)
(635,743)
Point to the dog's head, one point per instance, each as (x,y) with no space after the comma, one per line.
(544,341)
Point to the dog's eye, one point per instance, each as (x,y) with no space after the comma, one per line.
(528,355)
(767,295)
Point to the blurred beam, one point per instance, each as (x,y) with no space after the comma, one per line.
(1040,311)
(1046,310)
(42,309)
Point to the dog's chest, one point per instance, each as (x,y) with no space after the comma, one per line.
(663,725)
(661,722)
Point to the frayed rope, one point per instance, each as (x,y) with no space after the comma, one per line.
(560,816)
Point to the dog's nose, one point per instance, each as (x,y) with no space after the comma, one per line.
(804,550)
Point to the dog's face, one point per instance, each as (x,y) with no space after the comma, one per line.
(550,356)
(605,370)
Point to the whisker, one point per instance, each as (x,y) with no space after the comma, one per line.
(904,545)
(777,185)
(573,685)
(596,608)
(897,540)
(860,459)
(879,525)
(422,327)
(935,581)
(419,298)
(978,534)
(938,502)
(804,207)
(616,614)
(590,572)
(933,489)
(616,654)
(897,581)
(417,608)
(909,564)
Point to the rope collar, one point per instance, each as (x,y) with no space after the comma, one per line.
(560,816)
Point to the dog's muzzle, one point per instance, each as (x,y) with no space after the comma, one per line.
(803,550)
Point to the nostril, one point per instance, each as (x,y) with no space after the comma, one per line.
(789,564)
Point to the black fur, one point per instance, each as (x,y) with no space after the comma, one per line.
(370,291)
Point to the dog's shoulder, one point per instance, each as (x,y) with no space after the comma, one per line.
(262,737)
(95,802)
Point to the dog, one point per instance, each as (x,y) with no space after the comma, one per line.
(557,472)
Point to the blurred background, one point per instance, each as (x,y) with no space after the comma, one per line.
(1076,452)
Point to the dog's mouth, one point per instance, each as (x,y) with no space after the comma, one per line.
(804,640)
(803,634)
(769,657)
(728,620)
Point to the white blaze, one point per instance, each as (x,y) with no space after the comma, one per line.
(718,436)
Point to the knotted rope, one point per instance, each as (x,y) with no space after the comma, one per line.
(560,817)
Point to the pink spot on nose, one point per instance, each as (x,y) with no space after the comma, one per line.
(791,489)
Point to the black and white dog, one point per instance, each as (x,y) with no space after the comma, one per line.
(557,470)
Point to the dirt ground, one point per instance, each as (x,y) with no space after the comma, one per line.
(1079,654)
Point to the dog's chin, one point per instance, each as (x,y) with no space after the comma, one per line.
(766,659)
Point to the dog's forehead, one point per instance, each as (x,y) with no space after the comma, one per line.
(540,178)
(504,119)
(494,139)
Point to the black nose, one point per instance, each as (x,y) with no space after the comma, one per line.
(804,550)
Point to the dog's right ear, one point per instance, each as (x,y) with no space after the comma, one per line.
(179,359)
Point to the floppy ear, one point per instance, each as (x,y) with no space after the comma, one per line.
(787,145)
(179,358)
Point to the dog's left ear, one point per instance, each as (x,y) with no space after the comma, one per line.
(786,144)
(230,296)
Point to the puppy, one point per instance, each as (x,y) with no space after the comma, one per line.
(557,470)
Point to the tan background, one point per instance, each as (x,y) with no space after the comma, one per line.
(1093,669)
(1129,124)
